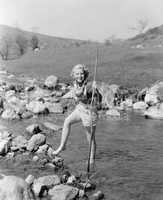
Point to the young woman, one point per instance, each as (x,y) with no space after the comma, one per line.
(85,110)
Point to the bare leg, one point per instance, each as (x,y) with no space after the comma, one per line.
(92,143)
(71,119)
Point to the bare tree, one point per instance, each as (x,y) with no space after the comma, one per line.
(5,44)
(141,26)
(22,43)
(34,42)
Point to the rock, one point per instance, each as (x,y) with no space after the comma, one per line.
(33,129)
(39,93)
(2,127)
(58,93)
(51,81)
(26,115)
(45,181)
(52,126)
(30,179)
(36,141)
(35,158)
(65,176)
(1,102)
(54,107)
(140,105)
(42,149)
(10,114)
(50,152)
(113,113)
(43,161)
(4,146)
(9,94)
(98,195)
(114,88)
(14,188)
(58,161)
(3,72)
(71,179)
(128,103)
(4,134)
(151,99)
(10,155)
(50,165)
(36,107)
(18,143)
(29,88)
(81,193)
(63,192)
(154,94)
(154,112)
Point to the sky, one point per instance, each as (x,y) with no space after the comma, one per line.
(81,19)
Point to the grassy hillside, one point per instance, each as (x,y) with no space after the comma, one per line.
(120,63)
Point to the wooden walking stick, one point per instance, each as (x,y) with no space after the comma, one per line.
(92,101)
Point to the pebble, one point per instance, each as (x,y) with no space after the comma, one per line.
(35,158)
(98,195)
(50,165)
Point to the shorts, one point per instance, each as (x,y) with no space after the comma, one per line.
(89,118)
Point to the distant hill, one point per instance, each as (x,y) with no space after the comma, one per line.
(153,36)
(45,41)
(121,63)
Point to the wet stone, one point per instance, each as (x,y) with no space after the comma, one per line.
(33,129)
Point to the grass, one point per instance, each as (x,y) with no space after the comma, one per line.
(118,64)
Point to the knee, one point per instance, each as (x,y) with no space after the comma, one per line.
(67,122)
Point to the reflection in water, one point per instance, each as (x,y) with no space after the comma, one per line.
(129,157)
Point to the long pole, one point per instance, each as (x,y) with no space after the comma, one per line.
(92,99)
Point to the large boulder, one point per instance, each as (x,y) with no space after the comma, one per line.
(63,192)
(18,143)
(45,182)
(33,129)
(4,134)
(15,104)
(36,141)
(36,107)
(154,112)
(113,113)
(52,126)
(9,94)
(51,81)
(42,149)
(39,93)
(10,113)
(140,105)
(154,94)
(54,107)
(14,188)
(4,146)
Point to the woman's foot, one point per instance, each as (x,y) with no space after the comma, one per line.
(56,152)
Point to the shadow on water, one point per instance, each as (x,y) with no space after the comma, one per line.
(129,160)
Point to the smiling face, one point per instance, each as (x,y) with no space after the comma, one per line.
(79,75)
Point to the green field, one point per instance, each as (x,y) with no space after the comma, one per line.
(117,63)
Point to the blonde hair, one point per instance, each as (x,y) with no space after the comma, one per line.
(82,67)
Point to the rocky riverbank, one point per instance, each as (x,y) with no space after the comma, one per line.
(23,98)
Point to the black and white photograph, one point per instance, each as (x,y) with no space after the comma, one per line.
(81,100)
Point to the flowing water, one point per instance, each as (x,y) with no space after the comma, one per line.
(129,160)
